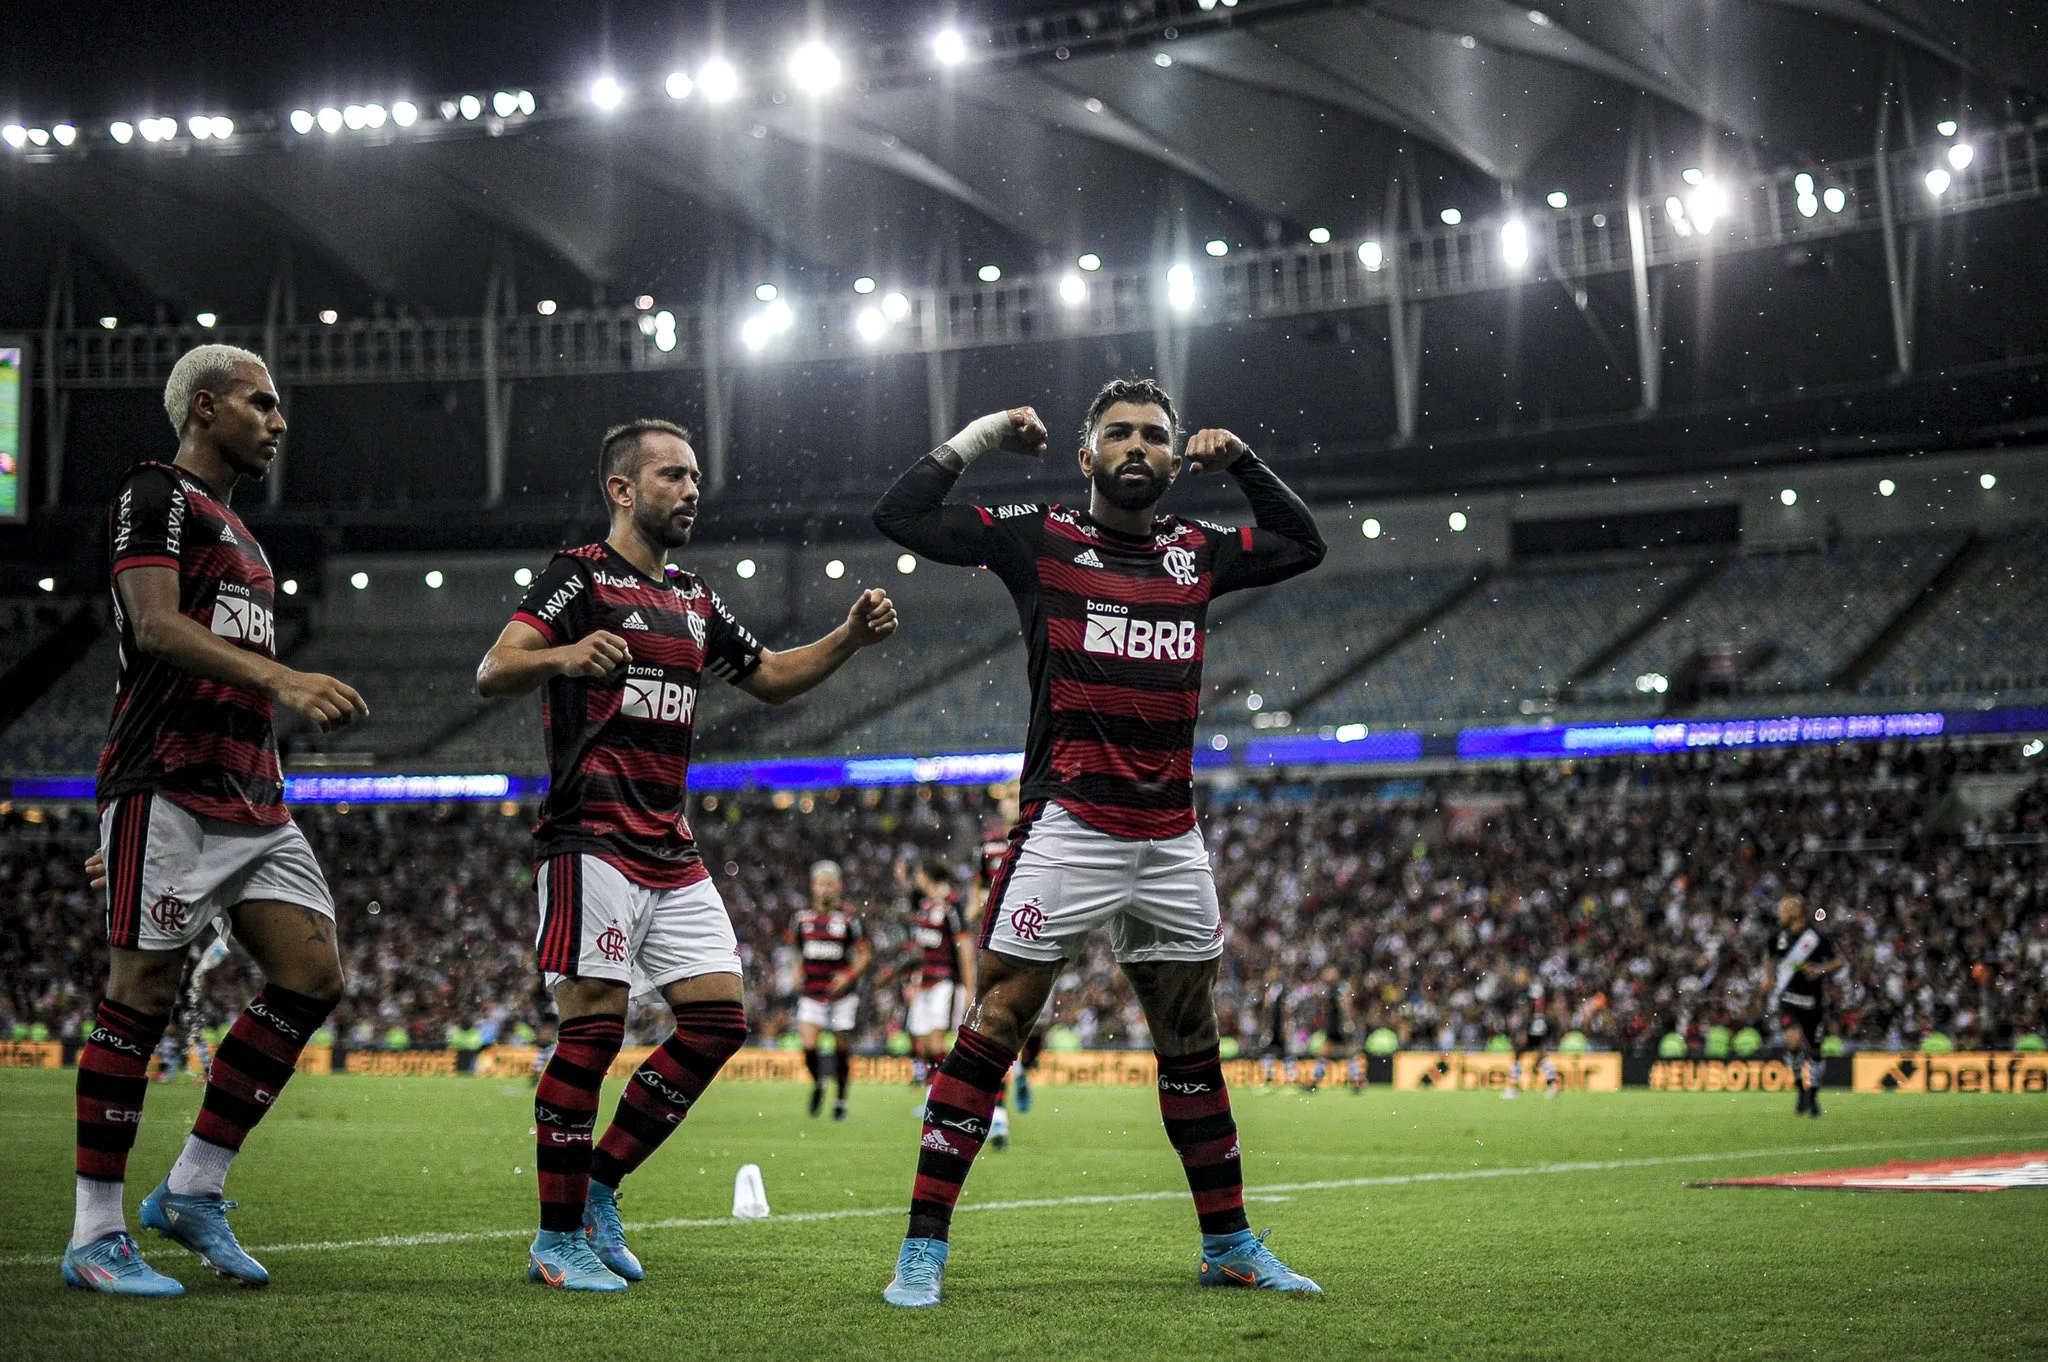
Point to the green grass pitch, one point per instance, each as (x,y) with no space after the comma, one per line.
(393,1215)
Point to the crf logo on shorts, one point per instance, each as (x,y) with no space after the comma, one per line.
(611,944)
(168,913)
(242,620)
(1139,640)
(668,702)
(1027,920)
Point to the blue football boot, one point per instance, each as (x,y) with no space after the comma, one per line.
(606,1235)
(920,1272)
(1242,1259)
(563,1259)
(112,1264)
(200,1223)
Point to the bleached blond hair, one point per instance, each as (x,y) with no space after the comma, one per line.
(209,368)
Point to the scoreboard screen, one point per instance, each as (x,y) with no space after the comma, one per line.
(13,429)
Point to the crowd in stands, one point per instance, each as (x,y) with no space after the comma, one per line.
(1628,899)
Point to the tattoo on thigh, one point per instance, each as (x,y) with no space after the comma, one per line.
(316,928)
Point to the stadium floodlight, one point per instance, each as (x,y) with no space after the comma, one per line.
(546,307)
(1693,175)
(374,116)
(46,583)
(1946,127)
(1073,290)
(1653,683)
(121,131)
(505,103)
(753,333)
(1808,205)
(745,569)
(1802,183)
(522,576)
(360,581)
(1180,288)
(989,274)
(435,580)
(15,135)
(1709,205)
(871,324)
(109,323)
(526,104)
(302,121)
(664,330)
(1217,247)
(646,325)
(153,129)
(290,586)
(328,316)
(766,293)
(1254,702)
(1788,497)
(835,569)
(356,117)
(1557,198)
(1319,235)
(2034,748)
(949,47)
(1371,528)
(1961,154)
(1161,60)
(65,134)
(606,93)
(815,68)
(1514,243)
(1674,208)
(1835,197)
(405,113)
(906,563)
(1352,732)
(1089,261)
(39,137)
(1938,181)
(895,306)
(1885,487)
(1987,481)
(778,316)
(644,303)
(1457,522)
(1371,256)
(206,319)
(1451,217)
(864,285)
(330,119)
(470,107)
(678,85)
(1220,743)
(718,79)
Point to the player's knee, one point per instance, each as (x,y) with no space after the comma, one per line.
(325,983)
(146,981)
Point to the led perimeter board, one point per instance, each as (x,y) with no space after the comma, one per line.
(13,429)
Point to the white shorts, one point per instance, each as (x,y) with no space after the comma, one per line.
(838,1015)
(935,1008)
(597,924)
(171,872)
(1065,879)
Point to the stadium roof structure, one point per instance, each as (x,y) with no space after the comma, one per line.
(1587,211)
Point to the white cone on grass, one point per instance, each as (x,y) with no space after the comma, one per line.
(749,1197)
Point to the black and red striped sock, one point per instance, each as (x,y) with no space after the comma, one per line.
(663,1089)
(565,1112)
(956,1116)
(113,1077)
(255,1061)
(1195,1105)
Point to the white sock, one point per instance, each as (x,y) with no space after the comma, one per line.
(97,1211)
(201,1169)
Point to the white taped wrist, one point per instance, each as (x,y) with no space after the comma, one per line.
(981,435)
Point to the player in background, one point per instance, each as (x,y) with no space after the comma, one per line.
(1113,601)
(943,950)
(1336,1029)
(833,945)
(1277,1064)
(193,827)
(1798,994)
(619,642)
(1538,1039)
(995,845)
(188,1020)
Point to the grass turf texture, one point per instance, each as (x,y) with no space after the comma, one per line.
(1599,1261)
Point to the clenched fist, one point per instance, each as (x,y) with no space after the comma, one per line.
(327,702)
(1212,451)
(873,616)
(593,655)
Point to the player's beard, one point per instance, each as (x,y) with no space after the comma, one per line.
(660,527)
(1131,496)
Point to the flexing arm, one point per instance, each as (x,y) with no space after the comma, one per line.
(149,597)
(913,513)
(521,660)
(788,674)
(1288,542)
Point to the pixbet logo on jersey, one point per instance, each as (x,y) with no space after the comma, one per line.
(241,620)
(1111,633)
(669,702)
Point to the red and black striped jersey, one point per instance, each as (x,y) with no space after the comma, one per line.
(1114,625)
(204,745)
(825,938)
(618,746)
(937,927)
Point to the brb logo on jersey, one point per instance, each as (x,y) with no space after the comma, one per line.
(241,620)
(650,697)
(1112,633)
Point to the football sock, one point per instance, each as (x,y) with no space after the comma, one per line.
(1195,1105)
(811,1066)
(843,1060)
(113,1077)
(565,1112)
(955,1124)
(663,1089)
(256,1060)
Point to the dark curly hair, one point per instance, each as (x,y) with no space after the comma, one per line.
(1117,390)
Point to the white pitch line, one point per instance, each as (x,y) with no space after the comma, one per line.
(1264,1191)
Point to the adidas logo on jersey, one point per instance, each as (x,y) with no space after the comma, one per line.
(227,535)
(633,621)
(1088,558)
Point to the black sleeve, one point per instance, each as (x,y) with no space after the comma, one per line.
(1283,540)
(914,514)
(730,649)
(149,517)
(558,603)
